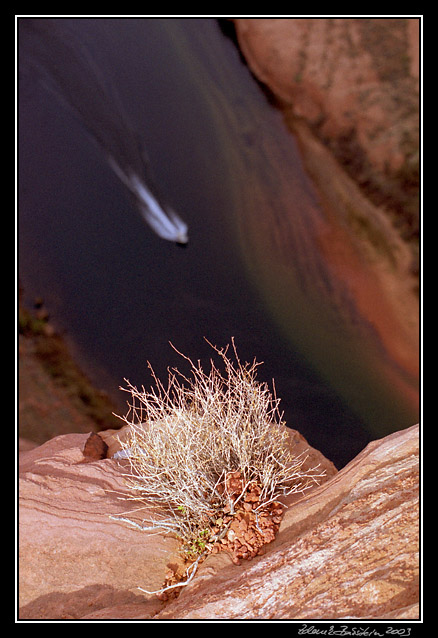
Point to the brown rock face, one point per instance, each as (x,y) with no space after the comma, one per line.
(354,81)
(349,548)
(95,448)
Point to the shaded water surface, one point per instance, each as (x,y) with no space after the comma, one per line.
(173,100)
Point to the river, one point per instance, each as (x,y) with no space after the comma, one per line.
(222,159)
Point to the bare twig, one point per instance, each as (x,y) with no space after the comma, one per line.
(193,567)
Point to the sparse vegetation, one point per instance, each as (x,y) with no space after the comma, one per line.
(209,459)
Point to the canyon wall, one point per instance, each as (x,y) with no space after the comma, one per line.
(355,83)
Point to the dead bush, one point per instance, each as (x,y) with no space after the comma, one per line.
(202,447)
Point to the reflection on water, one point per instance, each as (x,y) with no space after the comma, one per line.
(254,268)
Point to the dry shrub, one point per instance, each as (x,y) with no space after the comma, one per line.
(188,441)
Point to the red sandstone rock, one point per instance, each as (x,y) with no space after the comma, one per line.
(353,80)
(73,558)
(347,549)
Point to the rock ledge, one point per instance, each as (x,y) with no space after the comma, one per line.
(347,549)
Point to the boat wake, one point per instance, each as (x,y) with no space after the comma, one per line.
(161,218)
(52,53)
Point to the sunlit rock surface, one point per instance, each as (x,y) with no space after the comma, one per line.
(347,549)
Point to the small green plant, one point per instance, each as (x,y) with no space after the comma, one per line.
(205,446)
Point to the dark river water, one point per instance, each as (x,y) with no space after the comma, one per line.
(221,158)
